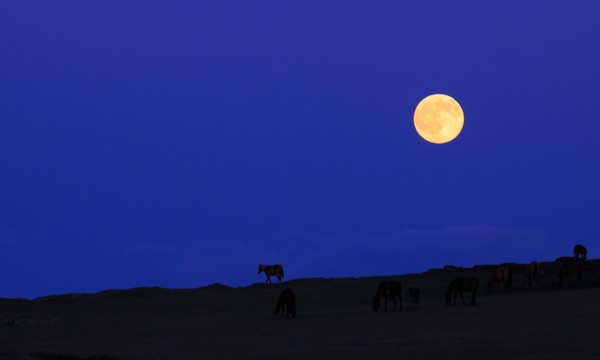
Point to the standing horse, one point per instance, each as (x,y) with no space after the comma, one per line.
(387,290)
(269,270)
(580,251)
(460,285)
(502,273)
(571,266)
(532,273)
(287,302)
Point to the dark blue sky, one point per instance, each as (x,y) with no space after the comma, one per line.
(179,144)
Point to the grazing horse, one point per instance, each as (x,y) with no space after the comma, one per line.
(532,273)
(387,290)
(460,285)
(502,273)
(571,266)
(580,251)
(287,302)
(415,295)
(269,270)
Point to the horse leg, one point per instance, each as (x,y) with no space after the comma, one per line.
(461,296)
(284,310)
(400,298)
(385,302)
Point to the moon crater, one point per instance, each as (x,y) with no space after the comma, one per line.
(438,118)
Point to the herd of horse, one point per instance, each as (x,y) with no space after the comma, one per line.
(390,290)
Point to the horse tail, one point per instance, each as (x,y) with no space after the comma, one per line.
(509,279)
(292,304)
(490,283)
(281,271)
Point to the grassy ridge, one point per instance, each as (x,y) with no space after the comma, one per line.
(334,318)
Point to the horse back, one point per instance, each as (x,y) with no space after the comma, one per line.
(389,289)
(395,287)
(276,269)
(466,284)
(383,289)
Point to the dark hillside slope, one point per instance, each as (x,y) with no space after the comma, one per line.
(335,318)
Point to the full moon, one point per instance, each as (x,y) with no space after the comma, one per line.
(439,118)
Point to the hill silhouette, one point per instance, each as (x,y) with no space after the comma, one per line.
(334,318)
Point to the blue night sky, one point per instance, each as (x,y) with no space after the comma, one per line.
(178,144)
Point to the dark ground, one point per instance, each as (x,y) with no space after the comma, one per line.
(335,319)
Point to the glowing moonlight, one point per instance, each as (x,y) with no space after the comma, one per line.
(439,118)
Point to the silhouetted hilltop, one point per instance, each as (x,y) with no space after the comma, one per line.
(146,322)
(548,272)
(548,277)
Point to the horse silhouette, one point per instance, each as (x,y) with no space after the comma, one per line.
(460,285)
(580,251)
(570,266)
(532,273)
(387,290)
(502,273)
(269,270)
(287,304)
